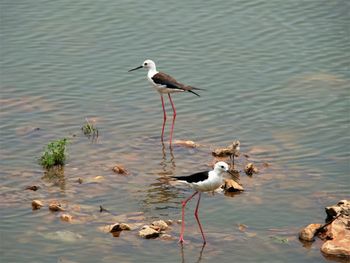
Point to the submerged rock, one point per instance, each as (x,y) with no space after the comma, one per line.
(119,169)
(148,232)
(308,233)
(55,206)
(189,144)
(66,217)
(37,204)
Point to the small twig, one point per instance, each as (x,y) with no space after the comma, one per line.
(321,228)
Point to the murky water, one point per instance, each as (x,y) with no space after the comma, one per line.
(276,76)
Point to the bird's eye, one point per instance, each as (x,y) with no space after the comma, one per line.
(145,64)
(222,167)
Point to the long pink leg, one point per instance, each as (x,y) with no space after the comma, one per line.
(181,240)
(199,223)
(174,117)
(164,115)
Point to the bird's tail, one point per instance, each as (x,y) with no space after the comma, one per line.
(190,89)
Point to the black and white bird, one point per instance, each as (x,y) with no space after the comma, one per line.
(165,84)
(206,181)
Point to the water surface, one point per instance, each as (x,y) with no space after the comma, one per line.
(276,77)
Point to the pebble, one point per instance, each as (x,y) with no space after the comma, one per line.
(55,206)
(119,169)
(37,204)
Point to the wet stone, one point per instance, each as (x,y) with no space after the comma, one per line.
(232,186)
(55,207)
(308,233)
(119,169)
(159,225)
(148,232)
(37,204)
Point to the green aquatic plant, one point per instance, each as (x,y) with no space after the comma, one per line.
(54,154)
(89,129)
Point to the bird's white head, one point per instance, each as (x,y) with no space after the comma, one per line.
(221,167)
(147,64)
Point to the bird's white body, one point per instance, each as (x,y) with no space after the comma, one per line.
(214,181)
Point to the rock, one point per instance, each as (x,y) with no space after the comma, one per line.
(55,206)
(37,204)
(159,225)
(148,232)
(231,150)
(339,233)
(33,187)
(343,206)
(190,144)
(66,217)
(335,233)
(119,169)
(119,227)
(308,233)
(250,169)
(232,186)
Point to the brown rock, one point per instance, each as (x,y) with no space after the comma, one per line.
(308,233)
(66,217)
(343,206)
(119,227)
(148,232)
(37,204)
(232,186)
(250,169)
(232,149)
(339,233)
(159,225)
(55,206)
(119,169)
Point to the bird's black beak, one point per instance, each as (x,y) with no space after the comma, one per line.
(235,176)
(135,68)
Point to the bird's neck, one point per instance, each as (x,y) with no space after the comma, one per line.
(152,72)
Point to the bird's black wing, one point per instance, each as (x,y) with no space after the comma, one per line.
(168,81)
(193,178)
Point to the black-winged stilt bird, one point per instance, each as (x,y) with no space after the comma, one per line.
(164,84)
(202,182)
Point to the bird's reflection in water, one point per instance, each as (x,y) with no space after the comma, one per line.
(167,166)
(160,195)
(182,252)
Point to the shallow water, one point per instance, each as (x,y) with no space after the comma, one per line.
(276,77)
